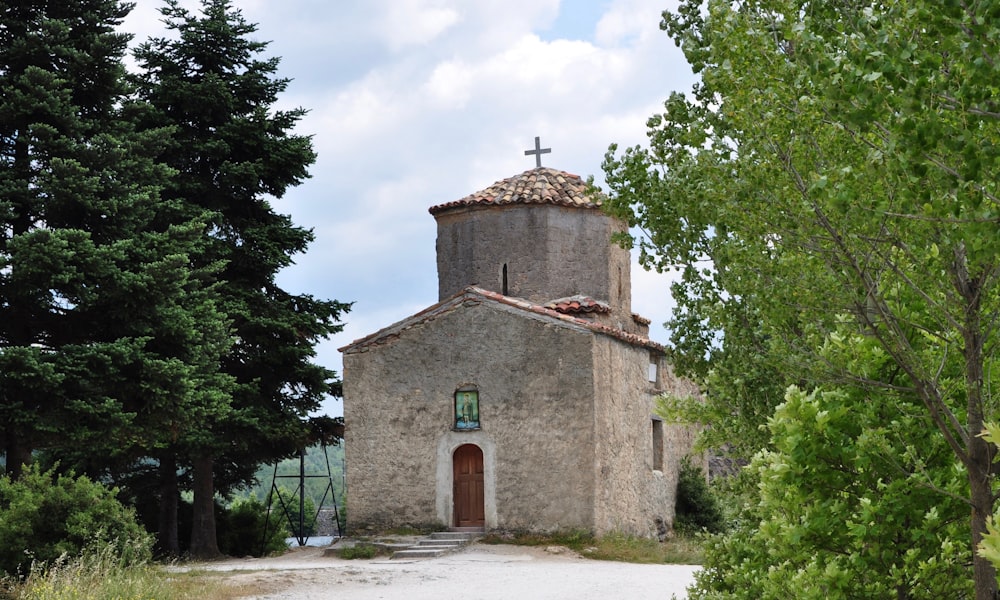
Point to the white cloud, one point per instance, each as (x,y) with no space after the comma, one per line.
(628,22)
(450,85)
(407,23)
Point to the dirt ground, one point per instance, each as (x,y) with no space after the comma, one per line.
(477,572)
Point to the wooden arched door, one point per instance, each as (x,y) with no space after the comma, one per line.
(470,507)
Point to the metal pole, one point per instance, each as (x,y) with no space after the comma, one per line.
(302,496)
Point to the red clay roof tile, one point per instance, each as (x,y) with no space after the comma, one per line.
(578,304)
(537,186)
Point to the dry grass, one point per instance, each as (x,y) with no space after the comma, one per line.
(678,550)
(97,577)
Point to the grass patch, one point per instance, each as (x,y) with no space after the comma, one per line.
(361,550)
(684,550)
(101,576)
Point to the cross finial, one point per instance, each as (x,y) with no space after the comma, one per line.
(538,152)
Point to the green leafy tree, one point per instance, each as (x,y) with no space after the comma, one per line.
(232,152)
(832,179)
(109,336)
(859,498)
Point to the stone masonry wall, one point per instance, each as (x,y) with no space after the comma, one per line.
(536,417)
(550,252)
(624,467)
(632,497)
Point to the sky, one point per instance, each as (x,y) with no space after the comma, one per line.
(413,103)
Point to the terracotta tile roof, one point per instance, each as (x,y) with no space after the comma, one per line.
(640,319)
(475,295)
(575,305)
(537,186)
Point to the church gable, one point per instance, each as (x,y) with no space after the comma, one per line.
(568,313)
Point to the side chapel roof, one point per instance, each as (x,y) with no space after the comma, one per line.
(541,185)
(476,295)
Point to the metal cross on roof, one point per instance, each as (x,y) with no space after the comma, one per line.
(538,152)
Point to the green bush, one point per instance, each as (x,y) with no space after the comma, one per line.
(359,551)
(285,507)
(697,508)
(44,516)
(241,530)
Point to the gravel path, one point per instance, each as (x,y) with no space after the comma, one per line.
(478,572)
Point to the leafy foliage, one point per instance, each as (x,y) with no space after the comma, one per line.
(845,509)
(44,516)
(828,192)
(143,339)
(315,487)
(295,512)
(242,530)
(697,508)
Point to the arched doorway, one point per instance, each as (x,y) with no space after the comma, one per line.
(470,508)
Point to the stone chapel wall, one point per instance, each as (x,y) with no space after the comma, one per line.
(536,417)
(628,497)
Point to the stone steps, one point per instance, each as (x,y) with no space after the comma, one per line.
(440,543)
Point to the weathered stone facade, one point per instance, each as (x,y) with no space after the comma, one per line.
(535,318)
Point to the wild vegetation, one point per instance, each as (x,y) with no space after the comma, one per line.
(828,193)
(100,575)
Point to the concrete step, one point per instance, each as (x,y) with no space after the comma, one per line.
(462,536)
(441,543)
(417,552)
(438,543)
(479,530)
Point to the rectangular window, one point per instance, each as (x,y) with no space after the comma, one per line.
(657,444)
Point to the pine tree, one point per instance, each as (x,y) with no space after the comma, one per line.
(232,152)
(109,336)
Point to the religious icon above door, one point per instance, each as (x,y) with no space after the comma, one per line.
(467,409)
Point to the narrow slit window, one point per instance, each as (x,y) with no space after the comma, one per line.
(657,444)
(503,282)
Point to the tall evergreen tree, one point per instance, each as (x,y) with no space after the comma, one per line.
(232,152)
(109,336)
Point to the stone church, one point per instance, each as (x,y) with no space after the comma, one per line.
(523,399)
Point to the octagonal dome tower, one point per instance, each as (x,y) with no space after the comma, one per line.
(541,236)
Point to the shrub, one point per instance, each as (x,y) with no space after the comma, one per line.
(697,508)
(285,507)
(359,551)
(44,516)
(241,530)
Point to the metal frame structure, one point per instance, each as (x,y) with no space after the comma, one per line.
(300,492)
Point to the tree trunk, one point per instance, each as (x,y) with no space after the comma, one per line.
(18,455)
(983,573)
(981,453)
(204,543)
(167,541)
